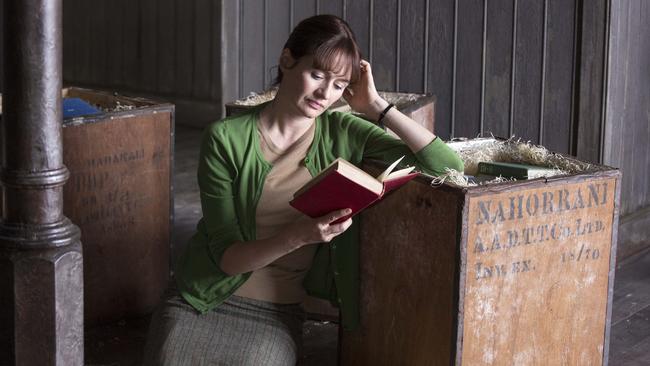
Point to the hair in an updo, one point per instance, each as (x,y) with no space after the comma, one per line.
(330,41)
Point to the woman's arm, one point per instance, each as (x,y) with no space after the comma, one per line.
(229,251)
(242,257)
(364,98)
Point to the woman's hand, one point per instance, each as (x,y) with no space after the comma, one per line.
(309,230)
(362,96)
(242,257)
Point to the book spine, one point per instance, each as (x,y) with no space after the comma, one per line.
(496,170)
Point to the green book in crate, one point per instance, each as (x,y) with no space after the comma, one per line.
(514,170)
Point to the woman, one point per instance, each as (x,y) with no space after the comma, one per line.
(239,285)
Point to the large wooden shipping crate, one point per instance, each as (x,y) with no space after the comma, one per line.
(514,273)
(120,195)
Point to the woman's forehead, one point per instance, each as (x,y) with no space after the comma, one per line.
(339,67)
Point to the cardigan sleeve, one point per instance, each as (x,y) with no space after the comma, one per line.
(432,159)
(216,175)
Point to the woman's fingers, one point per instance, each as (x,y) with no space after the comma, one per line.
(365,66)
(328,231)
(333,230)
(341,227)
(333,216)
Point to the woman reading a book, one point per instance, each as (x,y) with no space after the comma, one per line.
(238,286)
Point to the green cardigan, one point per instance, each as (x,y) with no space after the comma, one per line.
(231,174)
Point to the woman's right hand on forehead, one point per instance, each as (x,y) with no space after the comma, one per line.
(362,96)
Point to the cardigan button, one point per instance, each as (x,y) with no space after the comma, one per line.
(306,160)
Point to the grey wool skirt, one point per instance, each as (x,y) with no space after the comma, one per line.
(239,332)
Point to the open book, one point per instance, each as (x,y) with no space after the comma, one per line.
(343,185)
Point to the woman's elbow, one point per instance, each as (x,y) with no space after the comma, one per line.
(458,164)
(229,263)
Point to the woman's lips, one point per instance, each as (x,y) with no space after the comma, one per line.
(314,104)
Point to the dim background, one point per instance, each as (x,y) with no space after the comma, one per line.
(571,75)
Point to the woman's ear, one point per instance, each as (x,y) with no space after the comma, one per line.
(286,59)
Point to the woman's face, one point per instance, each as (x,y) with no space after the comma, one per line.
(309,90)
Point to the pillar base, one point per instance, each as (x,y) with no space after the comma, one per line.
(41,310)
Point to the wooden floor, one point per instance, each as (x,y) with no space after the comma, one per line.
(120,344)
(630,338)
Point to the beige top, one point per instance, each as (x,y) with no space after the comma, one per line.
(281,281)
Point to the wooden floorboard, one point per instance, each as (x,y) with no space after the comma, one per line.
(630,335)
(630,340)
(631,287)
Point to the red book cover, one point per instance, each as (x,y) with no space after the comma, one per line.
(336,191)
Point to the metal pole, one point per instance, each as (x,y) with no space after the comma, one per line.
(41,271)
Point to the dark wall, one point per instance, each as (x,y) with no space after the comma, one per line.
(509,67)
(536,69)
(170,49)
(627,126)
(501,67)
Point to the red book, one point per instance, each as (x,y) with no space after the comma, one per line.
(343,185)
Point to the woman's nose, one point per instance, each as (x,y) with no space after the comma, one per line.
(323,91)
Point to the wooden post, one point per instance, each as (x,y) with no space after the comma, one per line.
(41,272)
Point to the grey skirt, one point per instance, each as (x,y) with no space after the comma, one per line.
(239,332)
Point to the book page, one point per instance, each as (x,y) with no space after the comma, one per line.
(399,173)
(383,176)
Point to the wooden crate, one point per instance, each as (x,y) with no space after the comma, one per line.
(120,195)
(420,107)
(516,273)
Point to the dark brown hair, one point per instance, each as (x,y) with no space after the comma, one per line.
(329,40)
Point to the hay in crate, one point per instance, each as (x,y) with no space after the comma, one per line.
(513,150)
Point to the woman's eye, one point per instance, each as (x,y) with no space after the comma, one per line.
(338,87)
(316,76)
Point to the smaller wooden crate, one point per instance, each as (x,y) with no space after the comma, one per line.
(515,273)
(120,195)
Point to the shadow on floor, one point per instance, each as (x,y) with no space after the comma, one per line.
(121,343)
